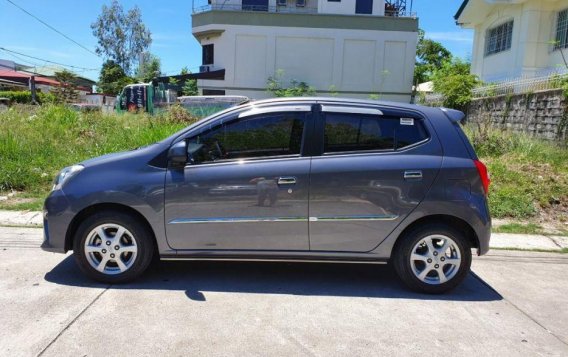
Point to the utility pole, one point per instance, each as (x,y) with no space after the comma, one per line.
(33,89)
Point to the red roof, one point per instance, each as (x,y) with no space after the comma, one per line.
(20,76)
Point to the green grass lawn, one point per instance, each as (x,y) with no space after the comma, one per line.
(529,177)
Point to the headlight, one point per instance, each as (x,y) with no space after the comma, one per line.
(65,175)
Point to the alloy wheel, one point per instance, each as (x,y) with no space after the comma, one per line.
(111,249)
(435,259)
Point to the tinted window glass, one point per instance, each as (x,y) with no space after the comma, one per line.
(261,136)
(356,132)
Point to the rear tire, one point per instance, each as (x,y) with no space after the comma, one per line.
(108,258)
(432,259)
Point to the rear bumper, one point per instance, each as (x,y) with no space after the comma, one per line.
(484,236)
(56,220)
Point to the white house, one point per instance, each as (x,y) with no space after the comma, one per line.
(353,48)
(516,38)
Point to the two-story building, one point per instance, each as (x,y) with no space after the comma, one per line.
(352,48)
(516,38)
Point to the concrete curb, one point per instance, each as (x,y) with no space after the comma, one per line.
(24,218)
(498,240)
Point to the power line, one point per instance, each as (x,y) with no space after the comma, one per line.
(52,28)
(48,61)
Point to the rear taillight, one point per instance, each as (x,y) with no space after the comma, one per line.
(483,175)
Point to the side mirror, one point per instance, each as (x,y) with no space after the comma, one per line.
(177,155)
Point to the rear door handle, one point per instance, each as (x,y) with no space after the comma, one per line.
(287,180)
(413,175)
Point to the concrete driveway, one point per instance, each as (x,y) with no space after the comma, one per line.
(514,304)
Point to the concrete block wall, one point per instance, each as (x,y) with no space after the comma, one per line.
(541,114)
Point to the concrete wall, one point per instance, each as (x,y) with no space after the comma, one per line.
(531,53)
(356,63)
(542,114)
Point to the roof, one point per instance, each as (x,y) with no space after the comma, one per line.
(49,71)
(24,77)
(460,10)
(216,74)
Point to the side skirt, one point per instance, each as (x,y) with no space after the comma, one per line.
(273,258)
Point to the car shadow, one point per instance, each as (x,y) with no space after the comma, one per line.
(196,279)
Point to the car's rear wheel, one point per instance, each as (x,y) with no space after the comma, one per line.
(433,259)
(113,247)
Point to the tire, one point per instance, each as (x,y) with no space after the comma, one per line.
(134,248)
(432,269)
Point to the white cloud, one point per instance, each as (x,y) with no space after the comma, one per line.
(451,36)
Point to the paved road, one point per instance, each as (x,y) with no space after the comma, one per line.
(514,304)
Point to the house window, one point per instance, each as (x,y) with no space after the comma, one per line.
(207,54)
(300,3)
(364,7)
(562,30)
(499,38)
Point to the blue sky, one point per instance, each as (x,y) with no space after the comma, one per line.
(170,24)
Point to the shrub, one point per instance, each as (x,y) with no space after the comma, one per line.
(25,97)
(454,81)
(296,88)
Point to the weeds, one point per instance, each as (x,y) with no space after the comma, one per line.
(529,176)
(37,141)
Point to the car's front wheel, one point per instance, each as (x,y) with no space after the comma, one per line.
(113,247)
(433,259)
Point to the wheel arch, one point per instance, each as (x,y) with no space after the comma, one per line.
(99,207)
(452,221)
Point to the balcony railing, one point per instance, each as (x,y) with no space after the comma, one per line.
(256,8)
(289,9)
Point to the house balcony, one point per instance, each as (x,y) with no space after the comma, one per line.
(256,8)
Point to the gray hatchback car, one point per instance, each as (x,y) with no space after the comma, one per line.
(299,179)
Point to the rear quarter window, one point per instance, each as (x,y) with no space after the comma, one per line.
(346,132)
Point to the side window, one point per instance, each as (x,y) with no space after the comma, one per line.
(360,132)
(278,134)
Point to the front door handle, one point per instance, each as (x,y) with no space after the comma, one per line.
(413,175)
(287,180)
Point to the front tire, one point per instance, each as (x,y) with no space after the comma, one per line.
(433,259)
(113,247)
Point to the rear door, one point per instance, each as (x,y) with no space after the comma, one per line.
(375,167)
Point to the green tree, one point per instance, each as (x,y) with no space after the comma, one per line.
(112,78)
(454,81)
(65,92)
(121,36)
(430,56)
(189,87)
(149,69)
(295,88)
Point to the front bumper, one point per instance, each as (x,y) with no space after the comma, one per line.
(56,219)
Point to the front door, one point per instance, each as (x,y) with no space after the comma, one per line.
(375,169)
(246,187)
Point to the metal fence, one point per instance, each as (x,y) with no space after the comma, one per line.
(259,8)
(522,85)
(288,9)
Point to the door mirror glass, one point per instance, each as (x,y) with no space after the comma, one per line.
(178,154)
